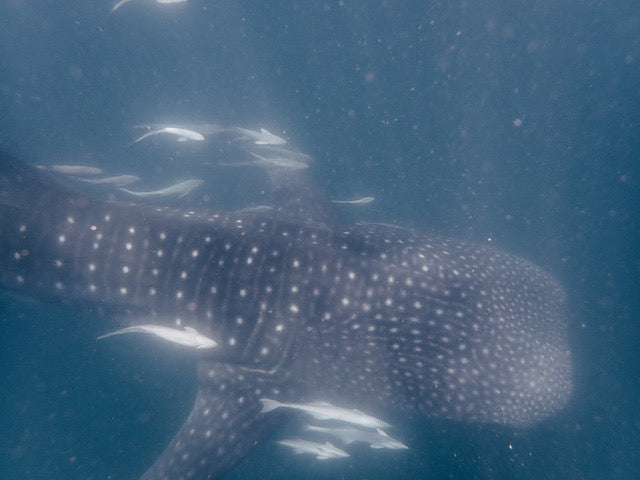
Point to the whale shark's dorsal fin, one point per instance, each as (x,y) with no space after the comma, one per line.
(297,199)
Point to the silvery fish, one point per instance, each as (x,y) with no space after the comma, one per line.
(183,134)
(326,411)
(347,435)
(181,189)
(322,451)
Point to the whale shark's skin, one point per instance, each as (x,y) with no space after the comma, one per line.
(304,309)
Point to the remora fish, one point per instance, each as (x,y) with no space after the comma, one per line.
(255,209)
(118,180)
(326,411)
(183,134)
(74,170)
(263,137)
(189,337)
(359,201)
(279,151)
(370,315)
(278,162)
(122,2)
(181,189)
(322,451)
(347,435)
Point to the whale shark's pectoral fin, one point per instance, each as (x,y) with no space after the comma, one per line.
(224,425)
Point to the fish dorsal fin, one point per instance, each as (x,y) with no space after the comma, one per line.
(294,195)
(190,330)
(320,403)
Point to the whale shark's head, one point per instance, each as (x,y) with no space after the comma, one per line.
(443,327)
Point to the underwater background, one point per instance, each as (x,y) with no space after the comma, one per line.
(515,124)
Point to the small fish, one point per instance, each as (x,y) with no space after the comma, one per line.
(119,4)
(122,2)
(183,134)
(347,435)
(359,201)
(283,152)
(263,137)
(75,170)
(326,411)
(117,180)
(188,337)
(255,209)
(321,451)
(278,162)
(181,189)
(382,224)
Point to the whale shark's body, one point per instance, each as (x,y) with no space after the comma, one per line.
(303,309)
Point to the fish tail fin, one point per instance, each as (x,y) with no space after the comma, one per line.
(137,140)
(16,183)
(106,335)
(25,187)
(268,405)
(120,332)
(33,203)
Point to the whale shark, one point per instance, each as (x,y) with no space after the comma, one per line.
(303,308)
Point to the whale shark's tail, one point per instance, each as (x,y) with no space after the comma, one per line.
(28,188)
(16,182)
(38,215)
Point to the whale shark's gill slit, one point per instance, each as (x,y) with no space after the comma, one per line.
(80,247)
(278,368)
(108,268)
(200,295)
(253,341)
(140,275)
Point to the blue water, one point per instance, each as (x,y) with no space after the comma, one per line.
(510,123)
